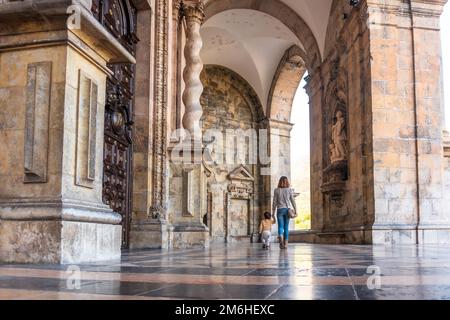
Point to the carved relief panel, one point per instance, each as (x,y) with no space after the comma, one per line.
(37,122)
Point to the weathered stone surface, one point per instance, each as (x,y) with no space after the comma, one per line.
(398,185)
(46,217)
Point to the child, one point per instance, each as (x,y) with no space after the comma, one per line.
(265,229)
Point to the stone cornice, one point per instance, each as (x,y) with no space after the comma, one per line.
(278,124)
(57,209)
(422,8)
(91,32)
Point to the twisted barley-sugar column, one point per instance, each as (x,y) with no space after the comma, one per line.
(194,16)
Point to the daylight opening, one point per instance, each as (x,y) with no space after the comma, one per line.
(300,158)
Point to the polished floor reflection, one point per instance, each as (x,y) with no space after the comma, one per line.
(243,271)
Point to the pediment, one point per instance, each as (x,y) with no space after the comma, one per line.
(241,174)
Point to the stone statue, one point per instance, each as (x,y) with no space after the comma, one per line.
(339,138)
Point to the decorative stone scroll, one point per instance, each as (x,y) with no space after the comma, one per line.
(86,131)
(37,122)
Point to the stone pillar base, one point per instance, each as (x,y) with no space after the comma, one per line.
(151,234)
(378,235)
(356,236)
(64,235)
(188,236)
(392,235)
(430,234)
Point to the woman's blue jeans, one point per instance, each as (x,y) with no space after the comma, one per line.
(283,222)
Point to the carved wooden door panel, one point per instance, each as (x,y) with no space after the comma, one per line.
(118,153)
(119,18)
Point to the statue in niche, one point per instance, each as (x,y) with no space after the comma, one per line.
(339,138)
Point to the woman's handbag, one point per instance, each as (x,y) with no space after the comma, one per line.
(292,213)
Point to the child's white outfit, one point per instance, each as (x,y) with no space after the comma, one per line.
(266,237)
(265,228)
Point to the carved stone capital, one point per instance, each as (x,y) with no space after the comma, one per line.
(176,9)
(194,12)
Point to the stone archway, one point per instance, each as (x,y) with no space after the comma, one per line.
(280,11)
(231,111)
(295,62)
(285,83)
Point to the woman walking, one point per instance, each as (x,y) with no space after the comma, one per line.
(285,208)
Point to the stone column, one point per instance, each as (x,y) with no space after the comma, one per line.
(52,98)
(433,216)
(187,189)
(279,141)
(194,15)
(153,230)
(314,90)
(407,127)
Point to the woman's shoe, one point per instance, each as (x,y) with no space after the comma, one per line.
(281,242)
(285,244)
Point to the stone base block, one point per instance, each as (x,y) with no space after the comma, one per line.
(239,239)
(394,236)
(59,242)
(59,232)
(88,242)
(190,236)
(302,237)
(338,237)
(434,236)
(152,234)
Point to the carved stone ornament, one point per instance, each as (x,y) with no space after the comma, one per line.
(336,173)
(335,186)
(241,184)
(338,150)
(158,209)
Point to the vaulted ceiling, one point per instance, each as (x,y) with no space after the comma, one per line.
(252,43)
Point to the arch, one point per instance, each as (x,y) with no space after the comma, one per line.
(285,83)
(283,13)
(241,85)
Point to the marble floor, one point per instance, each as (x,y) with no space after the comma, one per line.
(243,271)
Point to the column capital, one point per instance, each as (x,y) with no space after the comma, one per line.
(193,11)
(176,9)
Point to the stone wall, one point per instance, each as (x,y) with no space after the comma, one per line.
(52,98)
(371,75)
(407,110)
(341,207)
(229,103)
